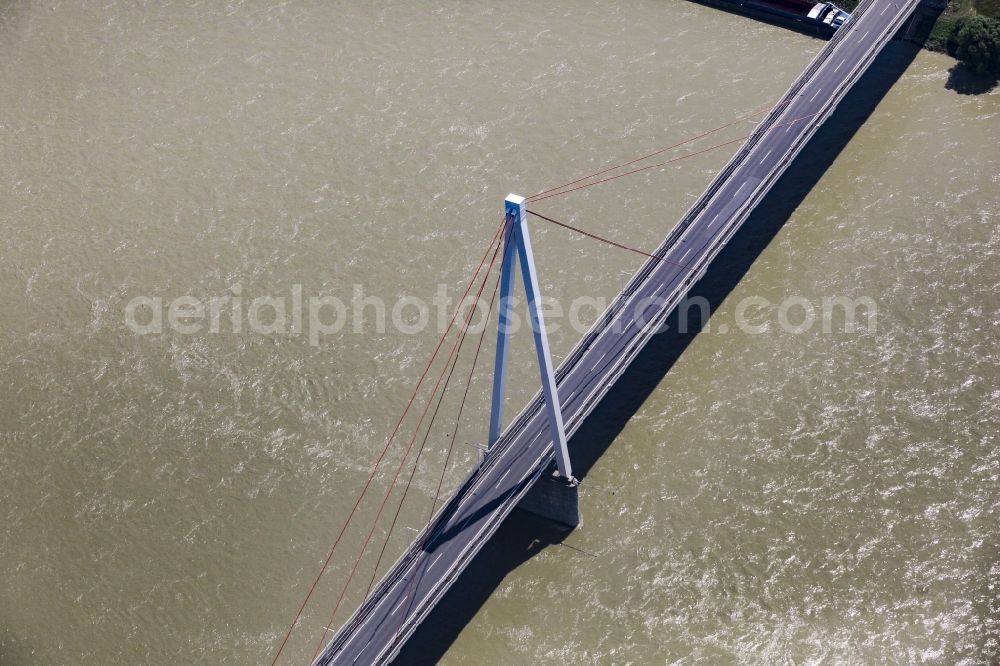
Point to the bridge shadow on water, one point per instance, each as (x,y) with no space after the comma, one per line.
(523,535)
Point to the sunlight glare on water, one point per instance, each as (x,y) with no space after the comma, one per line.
(778,498)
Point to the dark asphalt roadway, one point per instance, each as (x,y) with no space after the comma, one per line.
(413,585)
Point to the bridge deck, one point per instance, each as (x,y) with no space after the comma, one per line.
(377,630)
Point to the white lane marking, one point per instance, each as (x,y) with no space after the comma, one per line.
(684,256)
(816,94)
(464,500)
(600,359)
(529,472)
(525,476)
(374,612)
(739,188)
(503,477)
(433,562)
(403,601)
(842,61)
(472,540)
(466,522)
(884,10)
(475,487)
(761,163)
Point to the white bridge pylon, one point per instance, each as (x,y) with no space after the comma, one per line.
(517,244)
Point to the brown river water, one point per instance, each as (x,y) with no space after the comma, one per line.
(782,496)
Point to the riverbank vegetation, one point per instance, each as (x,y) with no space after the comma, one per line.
(970,31)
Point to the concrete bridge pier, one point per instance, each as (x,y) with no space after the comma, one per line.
(555,498)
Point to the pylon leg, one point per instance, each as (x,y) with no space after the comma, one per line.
(519,240)
(507,279)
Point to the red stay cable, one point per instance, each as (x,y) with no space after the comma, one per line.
(605,240)
(468,384)
(406,454)
(458,420)
(739,120)
(660,164)
(364,490)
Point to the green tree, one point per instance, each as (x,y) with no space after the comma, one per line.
(979,45)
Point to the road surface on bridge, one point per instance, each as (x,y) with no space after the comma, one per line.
(411,588)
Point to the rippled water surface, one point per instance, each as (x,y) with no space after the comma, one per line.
(779,498)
